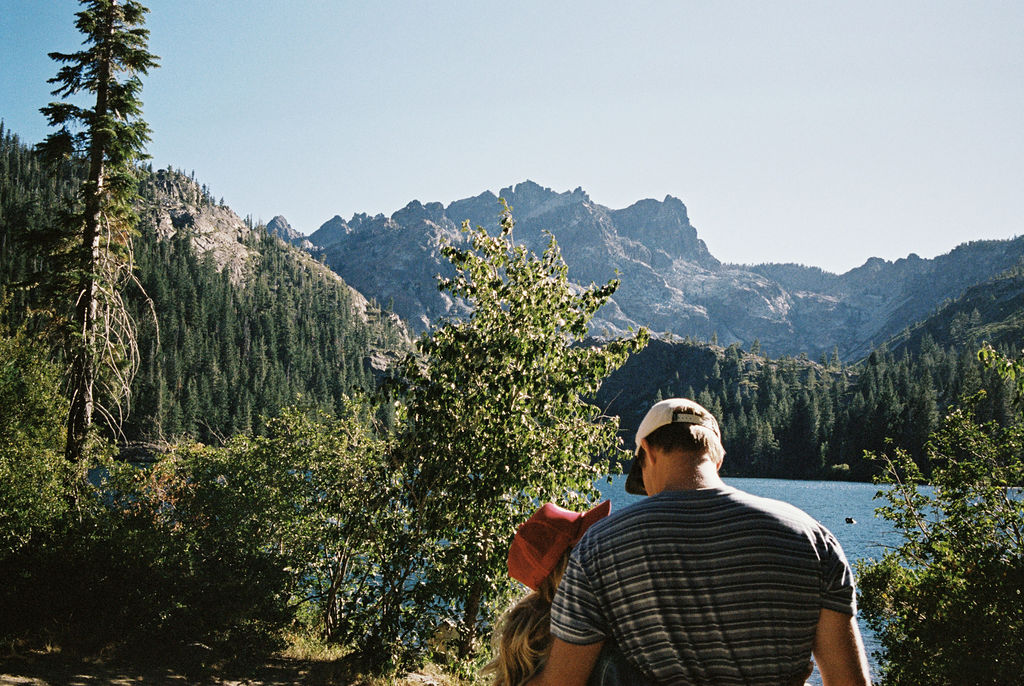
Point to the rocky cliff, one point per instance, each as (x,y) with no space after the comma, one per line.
(279,226)
(176,206)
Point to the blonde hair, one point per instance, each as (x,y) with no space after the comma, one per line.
(522,637)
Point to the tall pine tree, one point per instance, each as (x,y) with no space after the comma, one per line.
(94,243)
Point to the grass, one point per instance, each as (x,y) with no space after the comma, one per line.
(304,660)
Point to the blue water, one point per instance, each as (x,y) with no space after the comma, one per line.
(830,502)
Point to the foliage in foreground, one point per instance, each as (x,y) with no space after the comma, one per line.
(493,420)
(34,476)
(393,545)
(947,603)
(207,544)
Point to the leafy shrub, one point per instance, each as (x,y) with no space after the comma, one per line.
(947,604)
(494,419)
(34,477)
(220,546)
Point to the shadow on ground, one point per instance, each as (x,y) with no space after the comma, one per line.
(58,668)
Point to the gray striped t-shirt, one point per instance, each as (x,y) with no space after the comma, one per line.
(711,586)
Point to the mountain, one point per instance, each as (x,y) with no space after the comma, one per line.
(670,282)
(887,297)
(232,322)
(174,206)
(988,312)
(245,323)
(279,226)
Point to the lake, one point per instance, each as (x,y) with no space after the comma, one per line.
(830,502)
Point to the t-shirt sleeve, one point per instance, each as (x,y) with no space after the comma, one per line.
(575,615)
(838,589)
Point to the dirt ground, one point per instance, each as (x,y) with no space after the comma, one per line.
(42,668)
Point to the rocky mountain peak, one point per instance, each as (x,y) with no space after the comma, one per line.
(180,207)
(399,256)
(665,226)
(669,280)
(279,226)
(529,199)
(416,212)
(479,210)
(330,231)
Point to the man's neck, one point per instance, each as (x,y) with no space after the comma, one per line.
(693,477)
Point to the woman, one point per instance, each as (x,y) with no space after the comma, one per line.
(537,558)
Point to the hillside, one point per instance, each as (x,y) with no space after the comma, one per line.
(992,312)
(249,322)
(792,417)
(245,323)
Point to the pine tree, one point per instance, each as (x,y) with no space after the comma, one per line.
(111,137)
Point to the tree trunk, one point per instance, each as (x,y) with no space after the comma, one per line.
(472,611)
(83,366)
(469,619)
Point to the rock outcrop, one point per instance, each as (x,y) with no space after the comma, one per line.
(179,208)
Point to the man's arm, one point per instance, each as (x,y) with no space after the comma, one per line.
(839,651)
(568,664)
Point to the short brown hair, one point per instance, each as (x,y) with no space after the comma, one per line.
(689,438)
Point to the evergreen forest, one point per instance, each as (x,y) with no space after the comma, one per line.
(794,418)
(220,353)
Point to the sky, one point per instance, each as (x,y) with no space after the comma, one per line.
(822,133)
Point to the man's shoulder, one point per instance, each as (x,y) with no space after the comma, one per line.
(703,505)
(771,505)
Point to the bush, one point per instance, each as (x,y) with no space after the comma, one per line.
(34,476)
(219,546)
(947,604)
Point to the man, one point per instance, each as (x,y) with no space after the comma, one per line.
(702,583)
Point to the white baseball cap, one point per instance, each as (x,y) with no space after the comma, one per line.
(671,411)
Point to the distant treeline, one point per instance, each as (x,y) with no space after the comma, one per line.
(794,418)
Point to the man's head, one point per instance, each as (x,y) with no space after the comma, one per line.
(676,425)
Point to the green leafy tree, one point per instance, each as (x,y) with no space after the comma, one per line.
(92,252)
(32,469)
(946,603)
(495,420)
(1008,368)
(238,541)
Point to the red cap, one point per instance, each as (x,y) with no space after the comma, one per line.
(542,539)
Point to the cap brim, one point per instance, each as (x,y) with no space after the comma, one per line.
(635,480)
(593,514)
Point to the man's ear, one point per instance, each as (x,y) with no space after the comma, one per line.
(648,453)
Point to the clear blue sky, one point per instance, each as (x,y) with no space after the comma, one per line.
(813,132)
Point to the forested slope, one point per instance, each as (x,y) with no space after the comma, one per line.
(244,324)
(796,418)
(991,312)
